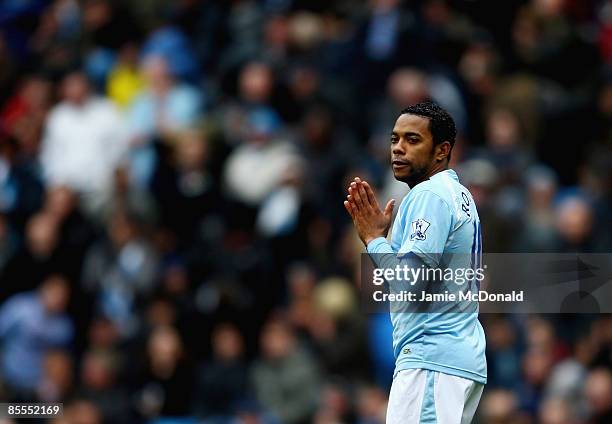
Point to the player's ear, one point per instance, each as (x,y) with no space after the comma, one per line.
(443,151)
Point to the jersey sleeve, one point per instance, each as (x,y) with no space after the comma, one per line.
(427,224)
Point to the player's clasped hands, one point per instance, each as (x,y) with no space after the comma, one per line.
(370,221)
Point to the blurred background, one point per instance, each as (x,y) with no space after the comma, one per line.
(173,244)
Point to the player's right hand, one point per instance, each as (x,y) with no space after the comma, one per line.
(370,221)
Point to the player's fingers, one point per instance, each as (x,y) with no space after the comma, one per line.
(353,205)
(371,196)
(354,191)
(348,207)
(388,212)
(353,183)
(363,195)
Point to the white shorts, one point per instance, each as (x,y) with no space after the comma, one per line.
(421,396)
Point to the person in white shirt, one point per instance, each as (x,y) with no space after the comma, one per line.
(84,142)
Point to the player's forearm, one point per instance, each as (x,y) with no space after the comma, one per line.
(384,257)
(378,249)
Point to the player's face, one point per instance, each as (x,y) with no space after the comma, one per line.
(412,149)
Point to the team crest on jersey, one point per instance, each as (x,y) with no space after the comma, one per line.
(419,227)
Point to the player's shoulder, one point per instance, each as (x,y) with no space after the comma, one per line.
(443,185)
(442,192)
(425,197)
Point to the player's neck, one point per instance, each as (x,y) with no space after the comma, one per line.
(438,167)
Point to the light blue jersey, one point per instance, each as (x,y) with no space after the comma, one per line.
(438,222)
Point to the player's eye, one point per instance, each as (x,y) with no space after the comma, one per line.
(394,139)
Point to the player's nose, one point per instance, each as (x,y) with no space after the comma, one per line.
(398,149)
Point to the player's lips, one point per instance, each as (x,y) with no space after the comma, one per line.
(399,164)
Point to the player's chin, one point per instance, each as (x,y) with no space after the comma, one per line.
(401,175)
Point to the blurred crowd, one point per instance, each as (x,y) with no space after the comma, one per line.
(173,244)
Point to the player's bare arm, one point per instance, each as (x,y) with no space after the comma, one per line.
(370,221)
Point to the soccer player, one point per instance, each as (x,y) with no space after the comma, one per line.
(440,367)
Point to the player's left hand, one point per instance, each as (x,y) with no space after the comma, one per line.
(370,221)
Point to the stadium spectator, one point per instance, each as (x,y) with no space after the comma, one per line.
(100,372)
(165,106)
(38,256)
(597,392)
(24,114)
(499,406)
(223,379)
(84,142)
(255,84)
(31,324)
(166,379)
(263,145)
(285,377)
(119,269)
(80,411)
(57,381)
(556,411)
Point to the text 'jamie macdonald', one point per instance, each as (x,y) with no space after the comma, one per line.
(424,296)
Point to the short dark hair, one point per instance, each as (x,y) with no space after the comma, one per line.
(441,124)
